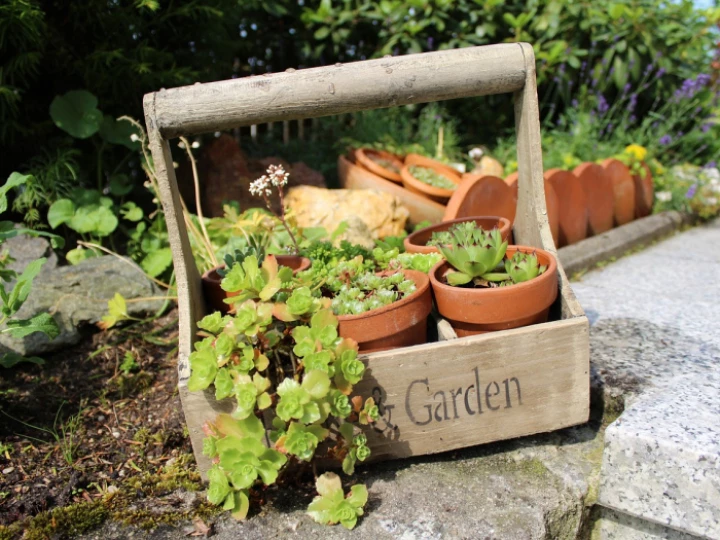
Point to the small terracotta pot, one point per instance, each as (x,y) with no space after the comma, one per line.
(477,311)
(482,195)
(623,190)
(422,161)
(598,188)
(415,242)
(644,192)
(215,295)
(364,157)
(432,192)
(551,203)
(573,211)
(400,324)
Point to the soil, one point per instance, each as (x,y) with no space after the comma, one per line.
(96,432)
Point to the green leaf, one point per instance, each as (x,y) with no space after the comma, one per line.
(219,487)
(223,384)
(10,359)
(76,113)
(203,368)
(616,11)
(120,184)
(213,323)
(79,254)
(61,211)
(23,285)
(156,262)
(14,180)
(131,211)
(117,311)
(42,322)
(119,132)
(322,32)
(98,220)
(317,384)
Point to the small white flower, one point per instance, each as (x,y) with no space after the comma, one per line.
(175,164)
(476,153)
(260,186)
(134,138)
(195,144)
(663,196)
(277,175)
(181,145)
(712,201)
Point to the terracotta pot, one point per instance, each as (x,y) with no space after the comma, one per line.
(422,161)
(551,204)
(572,202)
(415,242)
(432,192)
(644,192)
(364,157)
(623,190)
(400,324)
(482,195)
(598,189)
(214,295)
(421,208)
(477,311)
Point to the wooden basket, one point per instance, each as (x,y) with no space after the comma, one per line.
(433,397)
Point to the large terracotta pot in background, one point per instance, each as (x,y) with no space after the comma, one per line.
(215,295)
(623,190)
(476,311)
(415,242)
(482,195)
(400,324)
(432,192)
(598,189)
(364,157)
(422,161)
(551,203)
(644,192)
(573,206)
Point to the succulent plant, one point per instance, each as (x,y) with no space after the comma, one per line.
(523,267)
(473,252)
(256,246)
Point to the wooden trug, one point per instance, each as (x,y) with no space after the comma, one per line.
(526,381)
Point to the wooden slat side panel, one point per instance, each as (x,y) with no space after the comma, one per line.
(369,84)
(531,380)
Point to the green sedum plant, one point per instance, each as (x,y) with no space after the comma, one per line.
(278,355)
(477,257)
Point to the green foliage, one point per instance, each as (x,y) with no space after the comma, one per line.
(278,353)
(256,246)
(13,299)
(473,252)
(523,267)
(331,506)
(76,113)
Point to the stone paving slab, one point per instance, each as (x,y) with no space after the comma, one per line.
(656,353)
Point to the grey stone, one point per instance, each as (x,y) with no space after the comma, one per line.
(25,249)
(616,242)
(78,295)
(612,525)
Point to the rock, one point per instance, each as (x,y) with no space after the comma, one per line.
(25,249)
(381,212)
(302,175)
(488,166)
(78,295)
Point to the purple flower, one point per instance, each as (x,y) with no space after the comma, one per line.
(430,43)
(658,55)
(703,79)
(561,69)
(602,104)
(583,65)
(665,140)
(633,103)
(691,192)
(710,165)
(627,88)
(556,79)
(705,128)
(574,103)
(648,69)
(632,118)
(660,73)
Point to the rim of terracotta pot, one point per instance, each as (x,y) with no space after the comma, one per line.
(422,283)
(424,161)
(363,157)
(413,184)
(414,244)
(511,295)
(212,276)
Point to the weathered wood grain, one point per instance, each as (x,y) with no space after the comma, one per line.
(423,390)
(370,84)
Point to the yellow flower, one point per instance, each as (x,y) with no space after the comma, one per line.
(569,161)
(636,151)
